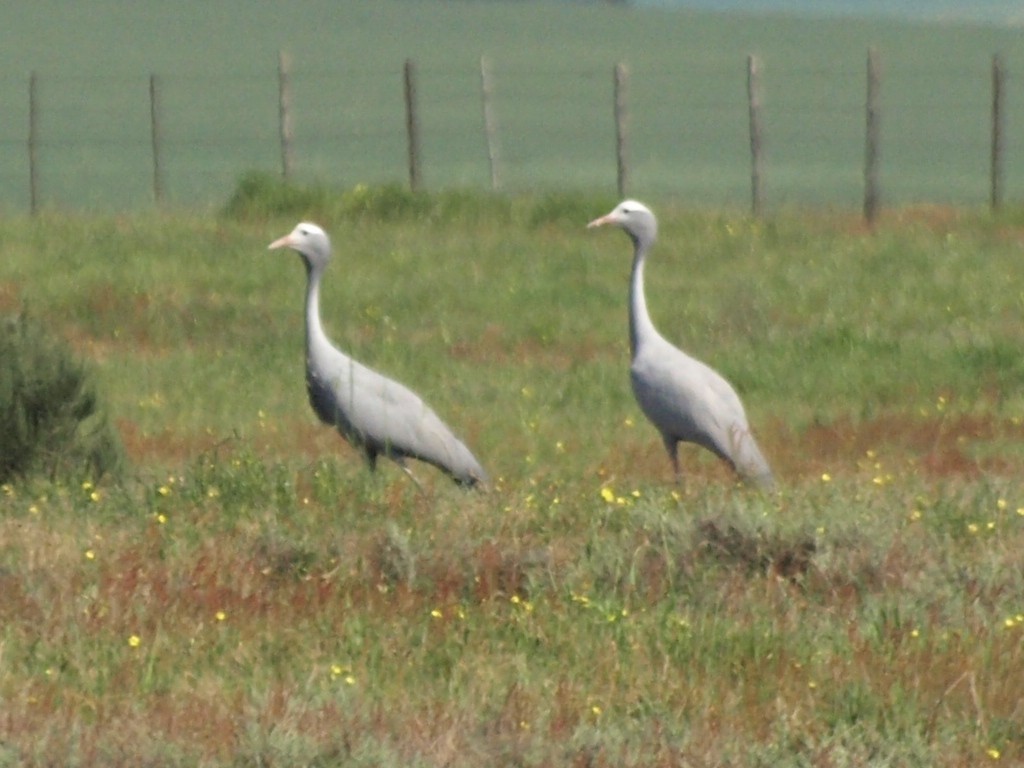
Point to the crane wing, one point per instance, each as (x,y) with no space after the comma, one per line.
(387,417)
(691,402)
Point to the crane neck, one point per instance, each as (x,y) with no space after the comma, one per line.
(314,329)
(641,327)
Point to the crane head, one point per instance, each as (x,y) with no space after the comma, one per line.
(309,240)
(635,218)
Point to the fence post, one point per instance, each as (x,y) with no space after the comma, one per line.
(998,89)
(490,121)
(621,130)
(412,125)
(756,158)
(33,143)
(872,132)
(284,95)
(154,124)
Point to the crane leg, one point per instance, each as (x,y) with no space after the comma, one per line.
(371,458)
(405,468)
(672,446)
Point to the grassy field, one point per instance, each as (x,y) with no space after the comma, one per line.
(248,594)
(687,100)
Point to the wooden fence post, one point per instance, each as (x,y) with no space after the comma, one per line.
(412,125)
(998,89)
(872,133)
(154,125)
(284,95)
(490,121)
(756,158)
(33,143)
(621,130)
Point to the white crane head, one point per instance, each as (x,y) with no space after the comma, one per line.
(310,241)
(634,217)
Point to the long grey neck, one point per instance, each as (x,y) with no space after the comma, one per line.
(315,336)
(640,325)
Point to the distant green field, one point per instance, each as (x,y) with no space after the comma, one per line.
(552,65)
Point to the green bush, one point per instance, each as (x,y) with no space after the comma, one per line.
(50,420)
(260,195)
(568,209)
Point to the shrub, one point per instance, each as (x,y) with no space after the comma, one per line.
(50,420)
(261,195)
(568,209)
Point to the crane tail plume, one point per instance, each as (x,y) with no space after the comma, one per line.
(750,463)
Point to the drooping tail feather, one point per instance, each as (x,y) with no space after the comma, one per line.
(750,463)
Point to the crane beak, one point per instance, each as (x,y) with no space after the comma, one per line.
(600,222)
(281,242)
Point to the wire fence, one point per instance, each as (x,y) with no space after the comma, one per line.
(942,136)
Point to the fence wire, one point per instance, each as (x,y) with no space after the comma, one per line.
(688,134)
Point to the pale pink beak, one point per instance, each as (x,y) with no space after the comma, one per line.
(600,222)
(281,242)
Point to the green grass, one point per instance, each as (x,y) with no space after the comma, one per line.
(250,594)
(687,100)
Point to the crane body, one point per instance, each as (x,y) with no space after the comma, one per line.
(376,414)
(685,399)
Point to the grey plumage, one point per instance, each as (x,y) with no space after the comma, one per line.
(374,413)
(685,399)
